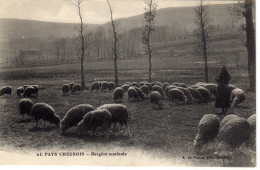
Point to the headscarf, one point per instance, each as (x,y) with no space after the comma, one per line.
(224,75)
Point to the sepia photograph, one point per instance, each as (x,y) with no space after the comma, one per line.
(160,83)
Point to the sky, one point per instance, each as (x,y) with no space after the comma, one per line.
(93,11)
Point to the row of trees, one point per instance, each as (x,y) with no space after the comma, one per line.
(202,33)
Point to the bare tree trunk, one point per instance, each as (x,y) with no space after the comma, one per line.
(150,63)
(250,39)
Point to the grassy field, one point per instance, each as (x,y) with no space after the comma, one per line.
(166,134)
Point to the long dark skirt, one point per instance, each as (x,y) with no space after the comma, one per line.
(223,97)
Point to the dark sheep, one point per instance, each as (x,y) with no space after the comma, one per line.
(104,86)
(95,86)
(125,87)
(145,89)
(159,89)
(118,94)
(6,90)
(65,89)
(29,92)
(19,91)
(45,112)
(71,84)
(132,94)
(74,116)
(140,93)
(97,118)
(25,107)
(111,86)
(119,114)
(36,90)
(75,89)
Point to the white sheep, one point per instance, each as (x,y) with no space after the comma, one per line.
(132,94)
(156,99)
(237,96)
(118,94)
(176,94)
(159,89)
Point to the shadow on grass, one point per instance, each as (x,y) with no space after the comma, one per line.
(24,121)
(38,129)
(243,107)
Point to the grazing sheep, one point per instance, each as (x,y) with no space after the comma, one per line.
(252,123)
(139,92)
(118,94)
(125,87)
(119,114)
(111,86)
(231,87)
(25,107)
(104,86)
(186,93)
(159,89)
(141,84)
(74,116)
(65,89)
(92,120)
(233,132)
(71,84)
(227,118)
(25,86)
(212,88)
(132,94)
(182,85)
(176,84)
(195,86)
(75,89)
(237,96)
(46,112)
(159,84)
(95,86)
(156,99)
(176,94)
(135,84)
(149,85)
(200,84)
(29,92)
(168,88)
(195,94)
(6,90)
(207,130)
(36,90)
(205,94)
(19,91)
(145,89)
(165,84)
(128,83)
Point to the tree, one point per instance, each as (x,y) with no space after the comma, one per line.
(149,16)
(202,33)
(115,43)
(81,32)
(244,9)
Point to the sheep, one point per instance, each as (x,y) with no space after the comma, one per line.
(233,132)
(36,90)
(182,85)
(156,99)
(118,94)
(252,123)
(195,94)
(75,89)
(227,118)
(46,112)
(212,88)
(186,93)
(168,88)
(165,84)
(149,85)
(125,87)
(135,84)
(111,86)
(176,84)
(95,86)
(207,130)
(97,118)
(74,116)
(231,87)
(200,84)
(25,86)
(205,94)
(128,83)
(6,90)
(139,92)
(152,84)
(71,84)
(119,114)
(159,84)
(159,89)
(145,89)
(132,94)
(29,92)
(176,94)
(65,89)
(237,96)
(141,84)
(19,91)
(25,107)
(104,86)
